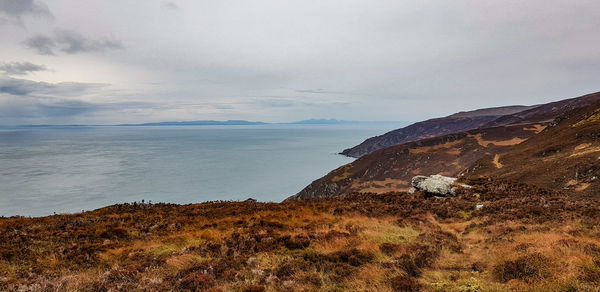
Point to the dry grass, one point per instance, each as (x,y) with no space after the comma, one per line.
(522,239)
(508,142)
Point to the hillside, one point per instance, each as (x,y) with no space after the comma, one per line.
(566,155)
(392,168)
(469,120)
(547,112)
(459,122)
(493,237)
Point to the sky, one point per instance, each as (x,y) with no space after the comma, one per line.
(130,61)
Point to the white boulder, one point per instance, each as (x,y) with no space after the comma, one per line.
(435,184)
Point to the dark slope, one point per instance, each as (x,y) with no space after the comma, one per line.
(547,112)
(392,168)
(566,155)
(459,122)
(465,121)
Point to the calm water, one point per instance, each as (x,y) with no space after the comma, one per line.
(69,169)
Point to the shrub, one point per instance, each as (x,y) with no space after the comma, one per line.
(590,272)
(389,248)
(405,284)
(527,268)
(296,242)
(197,282)
(254,288)
(354,257)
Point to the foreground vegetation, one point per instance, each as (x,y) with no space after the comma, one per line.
(494,237)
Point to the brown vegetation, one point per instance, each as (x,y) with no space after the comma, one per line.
(565,155)
(392,169)
(522,238)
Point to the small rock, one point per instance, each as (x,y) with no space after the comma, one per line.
(478,206)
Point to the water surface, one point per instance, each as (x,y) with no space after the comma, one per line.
(69,169)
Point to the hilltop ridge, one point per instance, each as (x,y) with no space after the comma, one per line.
(469,120)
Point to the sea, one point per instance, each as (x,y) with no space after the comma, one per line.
(67,169)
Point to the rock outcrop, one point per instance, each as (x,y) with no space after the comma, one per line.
(436,184)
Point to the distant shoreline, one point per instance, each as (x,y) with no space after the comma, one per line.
(216,123)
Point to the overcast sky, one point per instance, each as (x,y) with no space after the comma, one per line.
(98,61)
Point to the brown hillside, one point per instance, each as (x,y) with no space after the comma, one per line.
(547,112)
(566,155)
(456,123)
(520,238)
(392,169)
(465,121)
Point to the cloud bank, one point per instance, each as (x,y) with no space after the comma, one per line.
(70,42)
(14,10)
(21,68)
(280,61)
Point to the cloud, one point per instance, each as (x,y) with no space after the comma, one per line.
(317,91)
(25,101)
(24,87)
(170,5)
(385,59)
(16,9)
(42,44)
(21,68)
(70,42)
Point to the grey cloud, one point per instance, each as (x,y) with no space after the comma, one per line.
(354,59)
(66,108)
(170,5)
(71,42)
(42,44)
(21,68)
(16,9)
(24,87)
(32,110)
(26,101)
(316,91)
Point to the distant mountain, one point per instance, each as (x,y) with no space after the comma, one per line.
(565,156)
(320,122)
(198,123)
(337,122)
(459,122)
(478,152)
(243,122)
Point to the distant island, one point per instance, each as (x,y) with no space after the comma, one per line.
(198,123)
(251,123)
(229,123)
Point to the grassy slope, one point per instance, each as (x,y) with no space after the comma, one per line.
(523,238)
(565,155)
(392,168)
